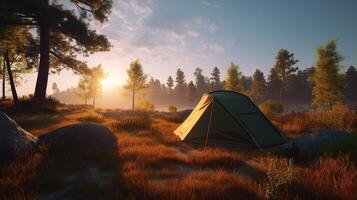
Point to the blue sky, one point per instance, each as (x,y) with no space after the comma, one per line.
(170,34)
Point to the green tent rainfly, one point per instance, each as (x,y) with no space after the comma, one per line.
(229,119)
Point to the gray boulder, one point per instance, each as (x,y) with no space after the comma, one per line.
(13,139)
(80,140)
(311,143)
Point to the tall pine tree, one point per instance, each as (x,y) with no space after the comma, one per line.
(327,81)
(233,78)
(284,66)
(258,88)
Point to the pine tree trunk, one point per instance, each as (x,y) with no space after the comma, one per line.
(133,100)
(11,78)
(42,77)
(282,91)
(3,81)
(93,101)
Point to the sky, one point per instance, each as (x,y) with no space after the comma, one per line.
(170,34)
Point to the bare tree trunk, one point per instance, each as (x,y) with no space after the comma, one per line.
(93,101)
(133,100)
(282,90)
(42,77)
(3,81)
(11,78)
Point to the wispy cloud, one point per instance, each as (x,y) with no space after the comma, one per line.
(139,8)
(217,48)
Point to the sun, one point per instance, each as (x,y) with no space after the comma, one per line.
(109,82)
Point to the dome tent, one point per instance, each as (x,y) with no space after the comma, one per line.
(231,119)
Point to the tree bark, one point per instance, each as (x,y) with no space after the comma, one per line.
(42,76)
(133,100)
(11,78)
(3,81)
(93,101)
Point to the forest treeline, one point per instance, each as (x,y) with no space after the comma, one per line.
(319,86)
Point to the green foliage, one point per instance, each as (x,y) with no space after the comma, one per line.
(201,84)
(180,83)
(136,79)
(191,91)
(280,174)
(258,88)
(274,84)
(351,84)
(284,68)
(271,108)
(327,82)
(96,76)
(233,78)
(170,84)
(216,83)
(172,108)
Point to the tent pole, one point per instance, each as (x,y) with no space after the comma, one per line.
(209,123)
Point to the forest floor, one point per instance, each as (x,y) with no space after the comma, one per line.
(153,164)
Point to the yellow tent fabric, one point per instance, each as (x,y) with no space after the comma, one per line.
(230,119)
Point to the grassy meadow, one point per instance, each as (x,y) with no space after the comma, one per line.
(152,163)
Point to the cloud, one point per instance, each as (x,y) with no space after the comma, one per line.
(217,48)
(192,33)
(178,37)
(140,9)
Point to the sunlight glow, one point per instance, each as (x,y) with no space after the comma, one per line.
(109,82)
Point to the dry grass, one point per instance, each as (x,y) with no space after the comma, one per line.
(154,164)
(297,123)
(132,123)
(92,116)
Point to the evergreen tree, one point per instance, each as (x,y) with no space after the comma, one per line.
(136,79)
(180,83)
(170,84)
(246,82)
(201,84)
(191,91)
(63,32)
(258,89)
(232,81)
(299,90)
(155,89)
(273,85)
(351,84)
(216,83)
(55,89)
(284,67)
(327,82)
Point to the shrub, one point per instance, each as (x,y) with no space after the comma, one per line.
(92,116)
(280,174)
(133,123)
(28,105)
(271,108)
(172,109)
(339,118)
(145,106)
